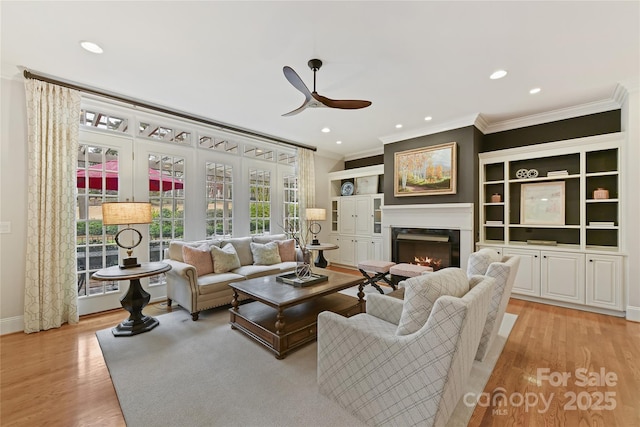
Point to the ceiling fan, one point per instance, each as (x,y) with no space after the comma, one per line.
(313,99)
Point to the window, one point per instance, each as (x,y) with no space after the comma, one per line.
(164,133)
(166,195)
(218,144)
(291,211)
(97,182)
(103,121)
(219,198)
(260,201)
(258,152)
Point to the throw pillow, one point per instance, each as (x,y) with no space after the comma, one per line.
(287,250)
(266,254)
(479,261)
(199,257)
(224,259)
(421,292)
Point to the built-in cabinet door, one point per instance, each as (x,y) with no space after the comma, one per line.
(347,216)
(562,276)
(527,281)
(604,281)
(334,254)
(362,247)
(375,249)
(364,215)
(347,250)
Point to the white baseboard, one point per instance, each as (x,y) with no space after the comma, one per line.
(633,313)
(10,325)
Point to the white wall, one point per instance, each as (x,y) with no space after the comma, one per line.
(631,126)
(13,203)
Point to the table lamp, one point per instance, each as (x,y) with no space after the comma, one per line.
(127,213)
(313,215)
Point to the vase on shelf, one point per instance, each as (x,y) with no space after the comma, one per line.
(600,193)
(496,198)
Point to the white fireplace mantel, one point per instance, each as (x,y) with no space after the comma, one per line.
(455,216)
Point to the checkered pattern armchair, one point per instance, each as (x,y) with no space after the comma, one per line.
(390,379)
(488,262)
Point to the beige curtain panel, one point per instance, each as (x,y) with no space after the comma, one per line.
(50,290)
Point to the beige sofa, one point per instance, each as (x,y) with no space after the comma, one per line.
(196,293)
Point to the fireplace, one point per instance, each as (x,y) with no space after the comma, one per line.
(436,248)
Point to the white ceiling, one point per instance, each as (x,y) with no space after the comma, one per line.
(223,60)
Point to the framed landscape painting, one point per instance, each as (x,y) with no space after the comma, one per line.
(425,171)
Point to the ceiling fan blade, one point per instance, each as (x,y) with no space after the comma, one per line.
(296,81)
(300,109)
(345,104)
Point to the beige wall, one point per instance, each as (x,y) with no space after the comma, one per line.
(13,202)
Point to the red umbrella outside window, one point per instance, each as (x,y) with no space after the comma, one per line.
(109,170)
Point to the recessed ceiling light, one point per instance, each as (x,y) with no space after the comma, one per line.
(428,118)
(326,130)
(534,90)
(498,74)
(91,47)
(398,126)
(338,142)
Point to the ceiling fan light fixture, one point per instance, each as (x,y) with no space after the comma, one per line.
(498,74)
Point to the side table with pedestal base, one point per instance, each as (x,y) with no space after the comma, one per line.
(136,297)
(321,247)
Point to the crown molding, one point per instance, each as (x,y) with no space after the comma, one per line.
(555,115)
(363,154)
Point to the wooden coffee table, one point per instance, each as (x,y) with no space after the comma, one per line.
(283,317)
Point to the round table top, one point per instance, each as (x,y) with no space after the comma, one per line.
(146,269)
(322,247)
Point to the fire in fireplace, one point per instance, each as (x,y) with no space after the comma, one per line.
(436,248)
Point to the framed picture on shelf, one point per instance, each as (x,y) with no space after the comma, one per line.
(542,203)
(425,171)
(367,184)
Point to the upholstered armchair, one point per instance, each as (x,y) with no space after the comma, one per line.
(386,376)
(488,262)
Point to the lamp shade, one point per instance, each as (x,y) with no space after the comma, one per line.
(121,213)
(315,214)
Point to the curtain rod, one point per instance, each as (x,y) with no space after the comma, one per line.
(35,76)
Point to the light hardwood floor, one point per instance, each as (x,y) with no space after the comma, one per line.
(59,378)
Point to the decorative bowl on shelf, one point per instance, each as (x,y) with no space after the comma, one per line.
(600,193)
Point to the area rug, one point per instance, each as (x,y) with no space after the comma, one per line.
(204,374)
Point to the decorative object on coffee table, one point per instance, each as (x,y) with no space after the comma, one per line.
(136,297)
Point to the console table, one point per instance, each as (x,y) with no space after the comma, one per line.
(136,298)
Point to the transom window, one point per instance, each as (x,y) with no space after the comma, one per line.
(103,121)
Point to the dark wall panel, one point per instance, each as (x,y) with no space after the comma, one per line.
(467,139)
(365,161)
(576,127)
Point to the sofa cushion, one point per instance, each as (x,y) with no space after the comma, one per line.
(266,254)
(287,249)
(175,247)
(224,259)
(479,261)
(421,292)
(212,283)
(199,257)
(243,249)
(251,271)
(269,238)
